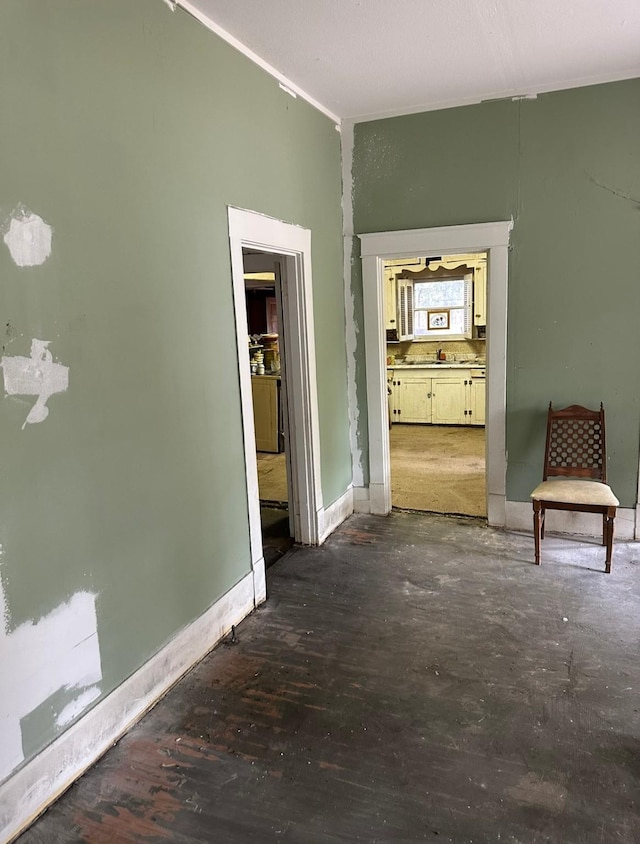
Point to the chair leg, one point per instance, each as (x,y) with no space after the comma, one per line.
(604,529)
(542,521)
(609,538)
(537,531)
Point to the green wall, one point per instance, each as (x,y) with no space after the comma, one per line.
(566,166)
(129,128)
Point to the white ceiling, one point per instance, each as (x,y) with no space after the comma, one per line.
(362,59)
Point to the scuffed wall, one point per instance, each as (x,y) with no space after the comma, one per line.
(28,238)
(36,375)
(127,131)
(566,167)
(59,653)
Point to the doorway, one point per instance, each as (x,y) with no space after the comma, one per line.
(492,238)
(435,332)
(249,230)
(267,360)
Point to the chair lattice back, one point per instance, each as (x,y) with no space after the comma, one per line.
(575,443)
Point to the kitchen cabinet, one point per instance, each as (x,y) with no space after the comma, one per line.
(390,300)
(426,396)
(266,412)
(480,294)
(412,400)
(393,267)
(476,401)
(448,400)
(410,396)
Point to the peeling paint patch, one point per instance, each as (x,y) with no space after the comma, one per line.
(77,706)
(60,651)
(289,91)
(4,610)
(353,329)
(28,238)
(37,376)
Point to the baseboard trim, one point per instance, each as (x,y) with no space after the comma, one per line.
(28,792)
(335,514)
(361,500)
(519,516)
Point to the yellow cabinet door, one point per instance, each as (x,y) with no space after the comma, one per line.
(448,401)
(390,304)
(480,295)
(477,401)
(413,400)
(265,411)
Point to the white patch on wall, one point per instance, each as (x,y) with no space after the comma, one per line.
(4,610)
(28,238)
(37,376)
(77,706)
(60,651)
(352,329)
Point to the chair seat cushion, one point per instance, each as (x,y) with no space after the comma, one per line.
(576,492)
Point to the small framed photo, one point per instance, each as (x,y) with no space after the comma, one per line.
(438,319)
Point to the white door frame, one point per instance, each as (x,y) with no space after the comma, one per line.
(266,234)
(492,238)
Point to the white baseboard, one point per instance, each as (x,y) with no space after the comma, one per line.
(520,517)
(496,515)
(35,786)
(335,514)
(380,498)
(259,582)
(361,501)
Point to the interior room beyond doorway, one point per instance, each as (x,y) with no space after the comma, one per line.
(264,320)
(436,332)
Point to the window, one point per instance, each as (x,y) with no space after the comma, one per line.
(435,309)
(442,308)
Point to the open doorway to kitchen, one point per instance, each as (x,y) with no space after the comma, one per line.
(376,248)
(435,333)
(267,361)
(252,231)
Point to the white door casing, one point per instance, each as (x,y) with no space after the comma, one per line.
(293,243)
(492,238)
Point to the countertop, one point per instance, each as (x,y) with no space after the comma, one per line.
(443,365)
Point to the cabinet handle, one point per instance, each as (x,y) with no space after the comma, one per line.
(471,413)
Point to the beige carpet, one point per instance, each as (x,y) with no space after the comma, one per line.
(272,477)
(437,468)
(440,468)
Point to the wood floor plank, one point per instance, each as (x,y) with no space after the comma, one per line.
(415,679)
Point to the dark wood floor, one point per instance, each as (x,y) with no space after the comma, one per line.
(415,679)
(276,541)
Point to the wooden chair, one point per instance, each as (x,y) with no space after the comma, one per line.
(575,451)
